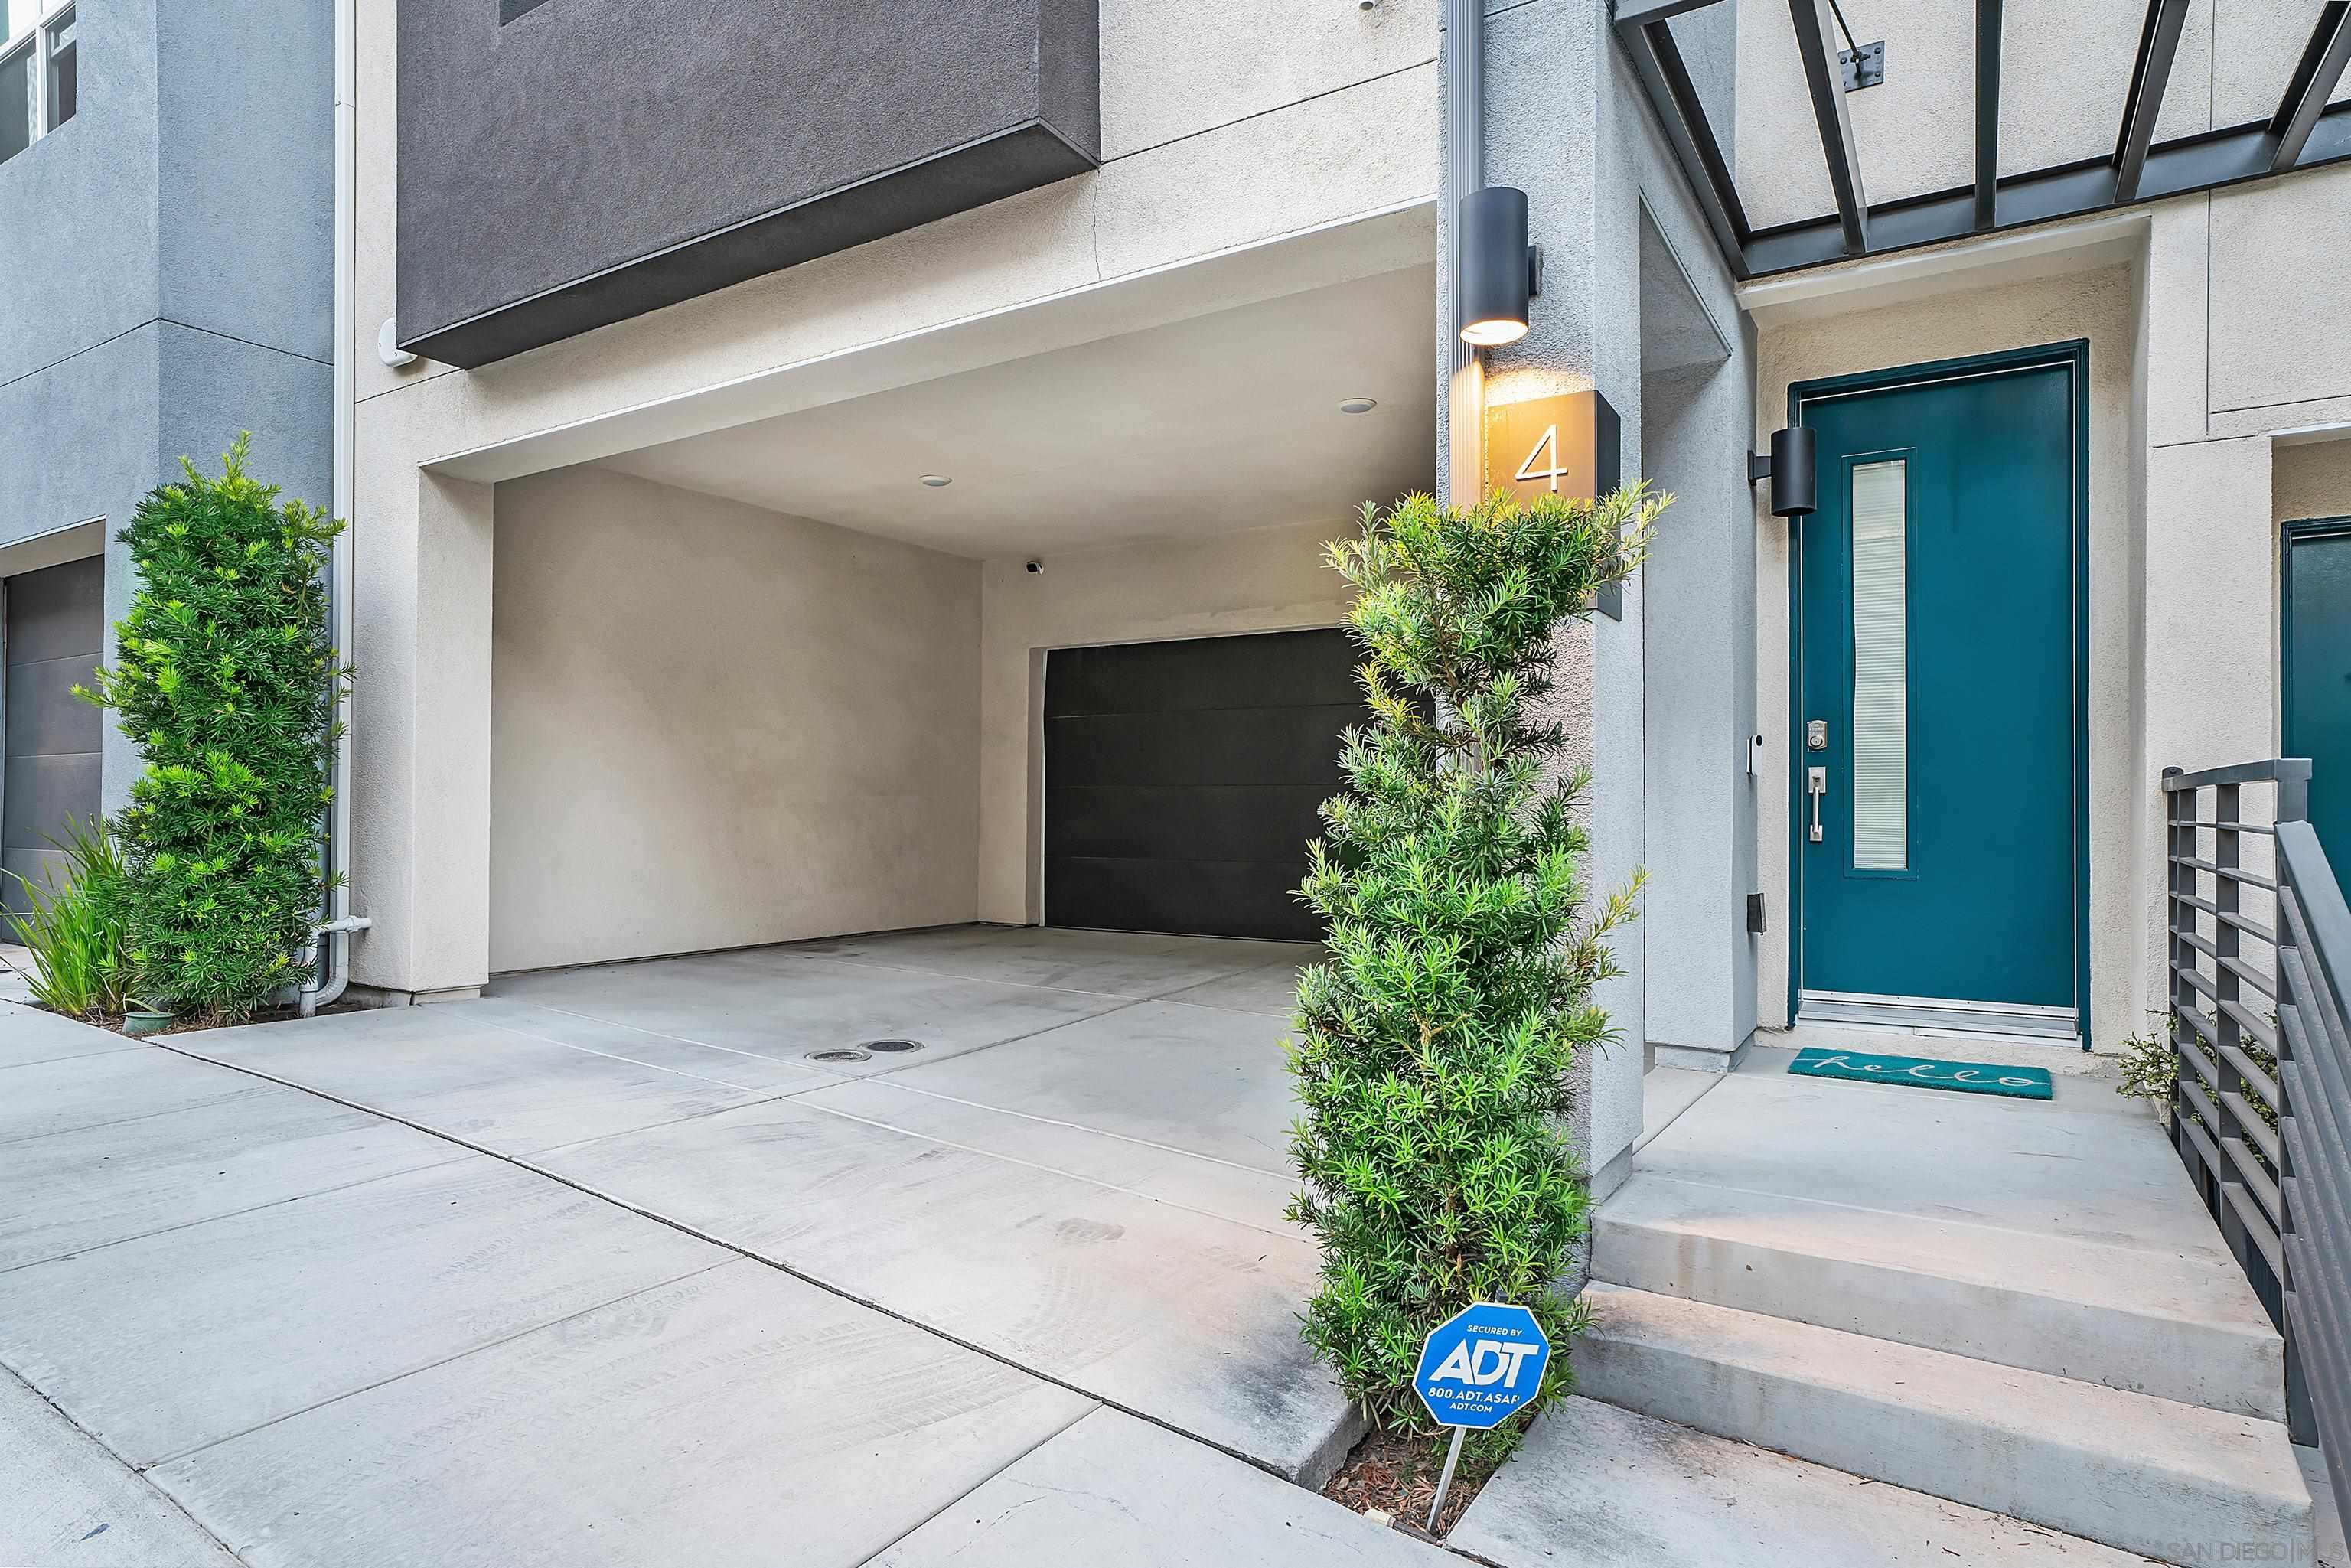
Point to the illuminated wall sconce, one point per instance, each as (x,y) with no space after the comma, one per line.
(1500,270)
(1790,469)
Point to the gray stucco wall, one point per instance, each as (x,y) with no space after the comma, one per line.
(1699,647)
(170,252)
(78,215)
(246,127)
(1656,704)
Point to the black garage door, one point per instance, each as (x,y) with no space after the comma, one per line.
(1182,779)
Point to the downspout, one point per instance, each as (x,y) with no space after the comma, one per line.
(331,971)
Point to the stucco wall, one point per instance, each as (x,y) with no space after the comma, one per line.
(2101,307)
(245,127)
(1238,168)
(1591,175)
(2311,480)
(77,209)
(1700,707)
(787,131)
(1268,580)
(2280,328)
(1220,126)
(168,256)
(715,725)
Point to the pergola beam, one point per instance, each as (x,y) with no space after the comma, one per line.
(1642,13)
(2306,132)
(2158,45)
(2322,59)
(1650,43)
(2204,163)
(1827,83)
(1987,20)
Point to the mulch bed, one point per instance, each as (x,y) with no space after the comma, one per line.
(1396,1475)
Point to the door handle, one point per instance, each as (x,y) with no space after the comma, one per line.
(1816,784)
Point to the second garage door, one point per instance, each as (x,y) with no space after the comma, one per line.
(55,624)
(1181,780)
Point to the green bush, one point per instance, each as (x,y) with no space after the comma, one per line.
(75,929)
(1433,1046)
(227,683)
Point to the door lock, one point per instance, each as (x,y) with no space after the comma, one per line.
(1816,784)
(1816,735)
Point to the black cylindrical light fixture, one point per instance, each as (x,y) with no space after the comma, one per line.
(1792,486)
(1490,237)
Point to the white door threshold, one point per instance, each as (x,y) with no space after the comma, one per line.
(1938,1016)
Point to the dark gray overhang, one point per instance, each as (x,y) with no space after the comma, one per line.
(2304,133)
(569,163)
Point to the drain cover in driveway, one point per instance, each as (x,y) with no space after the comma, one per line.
(890,1047)
(837,1054)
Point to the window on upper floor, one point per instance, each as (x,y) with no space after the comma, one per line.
(40,75)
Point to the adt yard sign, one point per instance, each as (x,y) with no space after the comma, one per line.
(1481,1364)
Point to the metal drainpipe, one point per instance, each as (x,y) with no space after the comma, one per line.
(1464,172)
(335,953)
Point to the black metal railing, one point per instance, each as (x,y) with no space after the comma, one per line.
(2314,1074)
(2260,963)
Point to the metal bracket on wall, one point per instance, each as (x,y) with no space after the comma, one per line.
(1863,67)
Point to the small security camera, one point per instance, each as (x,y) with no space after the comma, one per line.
(1033,567)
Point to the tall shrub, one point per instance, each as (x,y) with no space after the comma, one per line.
(1433,1046)
(226,681)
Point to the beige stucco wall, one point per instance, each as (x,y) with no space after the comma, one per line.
(714,726)
(2101,307)
(2311,480)
(1244,164)
(1266,580)
(2280,328)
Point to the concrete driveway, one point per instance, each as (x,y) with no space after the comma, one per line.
(605,1267)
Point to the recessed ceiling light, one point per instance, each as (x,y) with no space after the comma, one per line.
(938,481)
(1358,404)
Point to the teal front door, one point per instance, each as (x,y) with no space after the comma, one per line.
(1937,780)
(2317,674)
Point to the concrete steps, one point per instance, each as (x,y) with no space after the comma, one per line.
(2144,1474)
(1605,1487)
(2180,1325)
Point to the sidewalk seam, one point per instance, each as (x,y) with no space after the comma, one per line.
(960,1498)
(829,1286)
(389,1378)
(140,1476)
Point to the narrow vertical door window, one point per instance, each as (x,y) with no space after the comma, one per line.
(1881,639)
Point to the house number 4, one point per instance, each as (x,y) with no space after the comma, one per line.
(1548,443)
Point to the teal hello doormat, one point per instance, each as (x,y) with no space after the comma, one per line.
(1925,1072)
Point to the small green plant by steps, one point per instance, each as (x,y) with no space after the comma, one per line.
(75,927)
(227,683)
(1433,1046)
(2149,1062)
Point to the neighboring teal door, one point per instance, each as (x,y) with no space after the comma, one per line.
(2317,673)
(1937,710)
